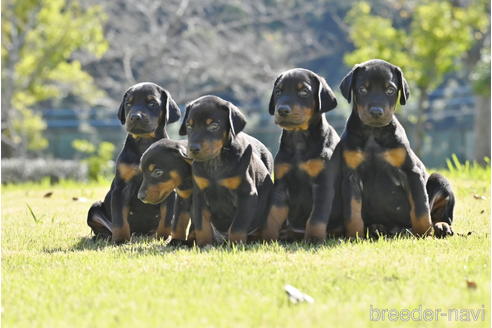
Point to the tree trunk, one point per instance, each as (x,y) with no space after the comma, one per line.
(482,127)
(418,134)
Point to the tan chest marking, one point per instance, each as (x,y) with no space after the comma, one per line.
(395,157)
(127,171)
(231,183)
(281,169)
(312,167)
(184,193)
(353,158)
(202,183)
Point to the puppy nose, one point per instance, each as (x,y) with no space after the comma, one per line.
(283,110)
(194,148)
(136,116)
(376,112)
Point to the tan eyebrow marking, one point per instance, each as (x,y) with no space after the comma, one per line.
(151,167)
(209,121)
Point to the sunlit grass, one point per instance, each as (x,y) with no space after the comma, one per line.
(53,275)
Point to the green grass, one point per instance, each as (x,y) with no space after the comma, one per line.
(54,276)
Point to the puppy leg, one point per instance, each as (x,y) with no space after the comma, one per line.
(165,217)
(202,220)
(99,221)
(181,221)
(278,213)
(120,202)
(441,203)
(352,207)
(419,205)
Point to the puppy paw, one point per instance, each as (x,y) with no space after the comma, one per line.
(442,230)
(315,233)
(377,230)
(180,243)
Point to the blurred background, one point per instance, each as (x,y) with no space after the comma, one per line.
(67,63)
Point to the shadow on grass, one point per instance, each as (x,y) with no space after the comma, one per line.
(148,245)
(139,245)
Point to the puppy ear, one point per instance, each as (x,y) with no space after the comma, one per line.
(121,110)
(271,105)
(184,155)
(237,120)
(326,99)
(182,128)
(402,86)
(169,106)
(347,83)
(245,160)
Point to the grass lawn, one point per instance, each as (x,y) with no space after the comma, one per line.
(53,275)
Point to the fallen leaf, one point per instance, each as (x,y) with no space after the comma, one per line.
(296,296)
(471,284)
(48,194)
(482,211)
(80,199)
(476,196)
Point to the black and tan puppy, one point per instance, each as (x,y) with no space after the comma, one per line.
(231,172)
(298,102)
(383,182)
(166,168)
(145,110)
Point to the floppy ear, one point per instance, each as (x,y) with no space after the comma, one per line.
(347,83)
(182,128)
(237,121)
(402,86)
(121,110)
(169,106)
(326,99)
(271,105)
(184,155)
(245,160)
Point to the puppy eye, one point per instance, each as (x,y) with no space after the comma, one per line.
(362,90)
(390,90)
(153,103)
(213,127)
(128,104)
(157,173)
(303,92)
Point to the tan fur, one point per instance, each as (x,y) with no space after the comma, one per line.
(354,226)
(202,183)
(205,235)
(353,158)
(395,157)
(127,171)
(312,167)
(281,169)
(275,219)
(231,183)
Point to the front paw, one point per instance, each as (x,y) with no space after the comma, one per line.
(238,237)
(120,235)
(377,230)
(180,243)
(442,230)
(315,232)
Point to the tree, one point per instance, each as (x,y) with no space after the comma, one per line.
(427,47)
(39,39)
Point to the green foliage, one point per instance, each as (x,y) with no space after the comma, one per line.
(481,74)
(39,39)
(427,48)
(98,158)
(470,169)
